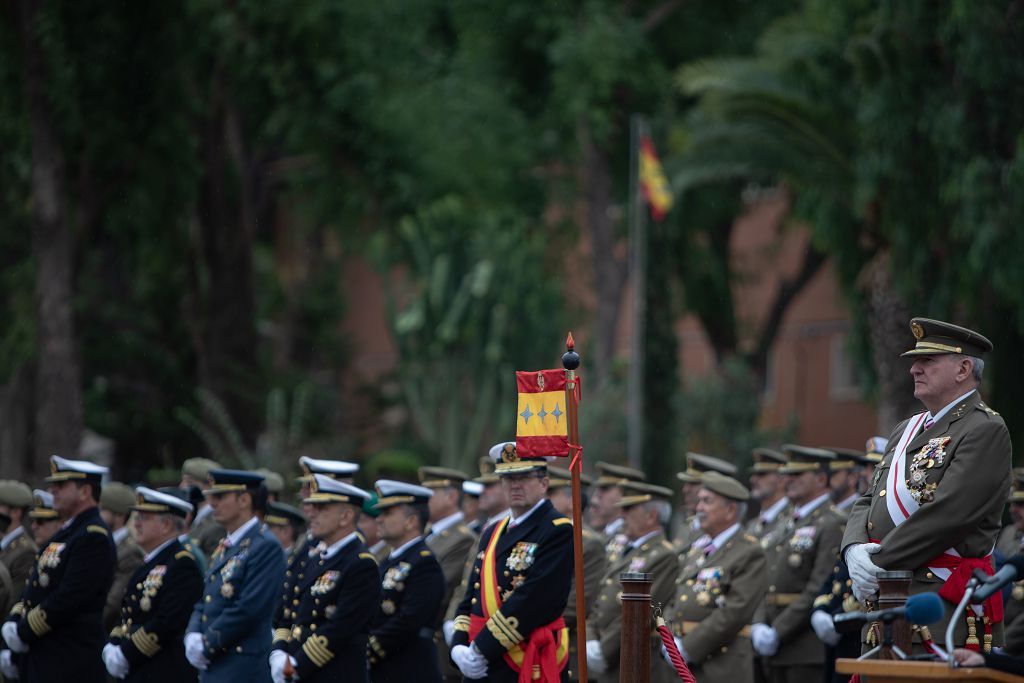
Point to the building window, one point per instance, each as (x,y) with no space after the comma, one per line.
(844,384)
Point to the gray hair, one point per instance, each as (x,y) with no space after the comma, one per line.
(977,367)
(177,523)
(741,511)
(663,508)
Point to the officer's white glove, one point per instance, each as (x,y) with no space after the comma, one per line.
(765,639)
(10,633)
(863,572)
(195,651)
(470,661)
(115,661)
(277,660)
(448,629)
(595,658)
(821,622)
(7,668)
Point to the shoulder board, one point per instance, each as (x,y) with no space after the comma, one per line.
(982,406)
(368,556)
(425,553)
(561,520)
(464,529)
(184,553)
(749,538)
(667,545)
(97,529)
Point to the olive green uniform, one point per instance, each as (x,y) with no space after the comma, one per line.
(595,565)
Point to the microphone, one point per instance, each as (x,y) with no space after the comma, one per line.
(1008,573)
(921,609)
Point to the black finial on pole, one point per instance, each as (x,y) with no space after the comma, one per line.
(570,359)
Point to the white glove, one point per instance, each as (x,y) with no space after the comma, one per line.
(7,668)
(863,572)
(448,629)
(470,661)
(595,658)
(10,632)
(764,639)
(821,622)
(195,651)
(115,661)
(277,660)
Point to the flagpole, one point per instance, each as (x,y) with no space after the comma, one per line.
(638,286)
(571,361)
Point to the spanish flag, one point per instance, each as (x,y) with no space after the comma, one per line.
(541,423)
(653,183)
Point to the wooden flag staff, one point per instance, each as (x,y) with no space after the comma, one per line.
(571,361)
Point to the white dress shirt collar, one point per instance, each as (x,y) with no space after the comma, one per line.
(332,550)
(612,527)
(119,535)
(156,551)
(442,525)
(768,516)
(235,537)
(847,503)
(808,508)
(397,552)
(9,538)
(723,538)
(949,406)
(516,521)
(643,539)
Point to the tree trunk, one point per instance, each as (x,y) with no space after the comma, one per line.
(888,320)
(58,394)
(16,417)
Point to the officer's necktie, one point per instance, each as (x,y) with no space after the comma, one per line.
(928,422)
(709,549)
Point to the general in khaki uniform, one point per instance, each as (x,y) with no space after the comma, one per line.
(798,568)
(941,487)
(17,550)
(718,590)
(412,587)
(57,626)
(685,527)
(117,500)
(647,551)
(326,637)
(146,642)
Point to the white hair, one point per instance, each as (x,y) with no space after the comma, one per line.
(663,509)
(977,367)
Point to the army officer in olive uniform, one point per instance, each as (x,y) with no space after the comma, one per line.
(646,512)
(146,644)
(936,500)
(57,626)
(783,633)
(325,638)
(719,588)
(685,526)
(17,549)
(402,630)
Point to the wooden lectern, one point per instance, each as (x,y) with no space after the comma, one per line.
(891,671)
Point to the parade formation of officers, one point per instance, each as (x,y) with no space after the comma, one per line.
(471,578)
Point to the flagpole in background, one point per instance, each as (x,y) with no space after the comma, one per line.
(638,285)
(571,361)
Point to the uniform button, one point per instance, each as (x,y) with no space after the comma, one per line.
(689,582)
(312,627)
(296,589)
(476,584)
(683,598)
(138,586)
(316,601)
(208,598)
(771,589)
(928,575)
(204,617)
(295,602)
(603,597)
(871,525)
(314,613)
(881,494)
(506,572)
(725,648)
(238,648)
(607,582)
(473,601)
(678,581)
(778,548)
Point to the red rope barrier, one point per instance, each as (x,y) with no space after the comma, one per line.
(678,663)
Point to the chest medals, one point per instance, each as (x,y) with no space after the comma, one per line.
(49,559)
(154,579)
(932,455)
(707,589)
(394,577)
(801,543)
(522,556)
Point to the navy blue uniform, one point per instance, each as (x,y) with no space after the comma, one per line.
(332,607)
(154,613)
(534,568)
(402,631)
(837,597)
(234,615)
(293,576)
(60,614)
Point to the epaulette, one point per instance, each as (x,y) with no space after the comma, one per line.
(184,553)
(561,520)
(822,600)
(751,539)
(425,553)
(988,410)
(368,556)
(666,544)
(464,529)
(96,528)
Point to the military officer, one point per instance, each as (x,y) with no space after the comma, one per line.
(604,515)
(288,525)
(274,483)
(184,537)
(471,491)
(115,507)
(874,452)
(229,632)
(647,512)
(685,525)
(146,643)
(44,521)
(375,543)
(936,501)
(205,531)
(57,626)
(844,478)
(401,643)
(325,638)
(1011,542)
(17,549)
(595,562)
(782,632)
(510,618)
(719,587)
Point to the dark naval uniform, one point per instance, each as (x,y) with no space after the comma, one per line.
(60,614)
(836,598)
(717,593)
(293,577)
(154,614)
(234,615)
(330,615)
(402,630)
(533,565)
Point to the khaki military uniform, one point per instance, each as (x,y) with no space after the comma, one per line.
(965,484)
(207,533)
(129,558)
(770,535)
(19,556)
(655,556)
(798,568)
(7,596)
(595,565)
(451,547)
(685,533)
(716,597)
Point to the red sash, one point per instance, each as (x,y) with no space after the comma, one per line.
(544,656)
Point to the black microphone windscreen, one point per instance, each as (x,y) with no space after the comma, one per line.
(924,609)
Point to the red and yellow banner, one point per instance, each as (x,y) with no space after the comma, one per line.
(541,425)
(653,183)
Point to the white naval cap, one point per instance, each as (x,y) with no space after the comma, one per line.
(333,468)
(148,500)
(325,489)
(63,469)
(391,493)
(472,488)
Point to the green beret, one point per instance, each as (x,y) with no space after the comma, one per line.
(117,497)
(724,486)
(15,493)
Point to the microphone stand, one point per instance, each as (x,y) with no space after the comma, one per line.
(972,585)
(887,641)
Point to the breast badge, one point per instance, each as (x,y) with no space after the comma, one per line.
(325,583)
(154,579)
(522,556)
(707,589)
(395,576)
(801,542)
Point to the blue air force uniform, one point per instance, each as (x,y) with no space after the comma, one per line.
(60,614)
